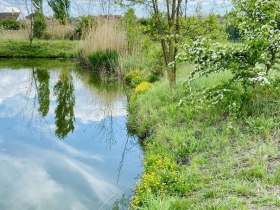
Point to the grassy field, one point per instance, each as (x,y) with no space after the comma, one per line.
(39,49)
(204,159)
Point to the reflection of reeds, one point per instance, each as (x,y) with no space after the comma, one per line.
(107,35)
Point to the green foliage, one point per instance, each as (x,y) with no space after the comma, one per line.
(154,203)
(224,163)
(61,9)
(39,25)
(208,26)
(232,30)
(162,175)
(38,6)
(104,61)
(86,23)
(155,61)
(134,78)
(39,20)
(9,24)
(133,31)
(249,63)
(153,78)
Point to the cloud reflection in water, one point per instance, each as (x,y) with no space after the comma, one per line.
(38,171)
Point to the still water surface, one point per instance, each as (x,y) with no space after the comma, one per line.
(63,139)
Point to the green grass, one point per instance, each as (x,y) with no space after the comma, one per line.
(203,159)
(39,49)
(41,63)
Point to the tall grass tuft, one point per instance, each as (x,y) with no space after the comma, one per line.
(57,31)
(108,35)
(104,61)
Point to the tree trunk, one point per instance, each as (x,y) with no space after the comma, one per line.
(171,72)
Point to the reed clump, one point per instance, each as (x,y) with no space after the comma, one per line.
(104,61)
(108,35)
(102,46)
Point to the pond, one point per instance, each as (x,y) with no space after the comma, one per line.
(63,138)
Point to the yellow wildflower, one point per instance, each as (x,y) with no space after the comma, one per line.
(143,86)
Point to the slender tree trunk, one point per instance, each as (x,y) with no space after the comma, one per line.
(169,45)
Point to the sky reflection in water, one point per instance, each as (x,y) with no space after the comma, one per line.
(54,156)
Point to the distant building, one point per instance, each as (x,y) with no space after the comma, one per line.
(9,15)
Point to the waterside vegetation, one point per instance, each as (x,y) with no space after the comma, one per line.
(213,142)
(206,110)
(38,49)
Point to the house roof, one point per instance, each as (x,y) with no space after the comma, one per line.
(9,15)
(7,12)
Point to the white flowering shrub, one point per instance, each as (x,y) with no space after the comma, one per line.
(251,64)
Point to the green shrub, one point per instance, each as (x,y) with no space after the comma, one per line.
(10,24)
(156,62)
(134,78)
(39,25)
(153,78)
(104,61)
(85,25)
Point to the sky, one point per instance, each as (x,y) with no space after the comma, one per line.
(87,7)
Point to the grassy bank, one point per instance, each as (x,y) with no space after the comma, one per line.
(203,158)
(37,63)
(39,49)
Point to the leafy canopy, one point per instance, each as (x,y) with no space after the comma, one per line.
(61,9)
(252,63)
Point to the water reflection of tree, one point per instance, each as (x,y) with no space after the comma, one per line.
(42,78)
(108,93)
(64,112)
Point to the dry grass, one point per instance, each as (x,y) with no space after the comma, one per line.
(58,31)
(55,31)
(107,35)
(14,35)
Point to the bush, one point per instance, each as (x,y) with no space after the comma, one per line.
(134,78)
(153,78)
(39,25)
(252,64)
(85,25)
(156,62)
(104,61)
(142,87)
(9,24)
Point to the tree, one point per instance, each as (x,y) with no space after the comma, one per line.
(166,18)
(250,63)
(61,9)
(35,22)
(132,32)
(39,25)
(28,23)
(169,38)
(38,5)
(39,22)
